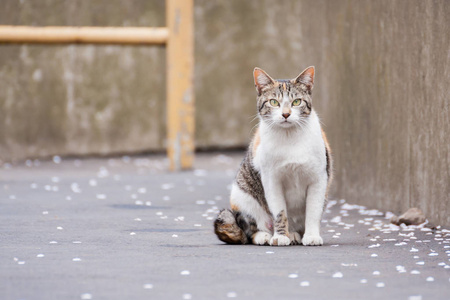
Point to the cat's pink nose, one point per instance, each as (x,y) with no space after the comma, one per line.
(286,115)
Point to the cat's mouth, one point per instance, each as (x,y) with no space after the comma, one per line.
(286,123)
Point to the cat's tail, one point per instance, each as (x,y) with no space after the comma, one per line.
(227,229)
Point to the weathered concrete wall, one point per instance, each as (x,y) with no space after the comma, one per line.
(81,99)
(382,86)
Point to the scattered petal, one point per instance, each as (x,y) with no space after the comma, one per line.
(231,295)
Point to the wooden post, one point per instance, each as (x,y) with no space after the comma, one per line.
(180,88)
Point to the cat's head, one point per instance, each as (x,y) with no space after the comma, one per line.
(284,103)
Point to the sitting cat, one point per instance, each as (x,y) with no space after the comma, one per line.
(280,191)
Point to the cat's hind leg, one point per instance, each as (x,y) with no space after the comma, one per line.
(260,231)
(261,238)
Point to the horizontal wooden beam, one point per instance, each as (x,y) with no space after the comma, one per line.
(84,35)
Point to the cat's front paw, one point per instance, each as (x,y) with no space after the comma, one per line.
(279,240)
(312,240)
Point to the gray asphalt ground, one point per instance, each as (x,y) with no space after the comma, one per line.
(126,228)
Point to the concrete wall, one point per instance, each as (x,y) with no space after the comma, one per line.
(81,99)
(382,86)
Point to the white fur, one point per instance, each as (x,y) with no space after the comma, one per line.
(292,162)
(279,240)
(261,238)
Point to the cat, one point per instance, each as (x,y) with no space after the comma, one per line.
(280,191)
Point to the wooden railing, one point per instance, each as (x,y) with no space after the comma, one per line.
(178,38)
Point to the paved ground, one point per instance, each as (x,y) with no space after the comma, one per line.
(125,228)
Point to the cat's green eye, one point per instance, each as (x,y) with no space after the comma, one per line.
(296,102)
(274,102)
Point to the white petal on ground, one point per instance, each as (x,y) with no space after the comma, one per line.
(185,272)
(75,187)
(338,275)
(148,286)
(336,219)
(231,295)
(293,275)
(380,284)
(304,283)
(86,296)
(401,269)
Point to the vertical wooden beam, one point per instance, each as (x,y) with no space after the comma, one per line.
(180,88)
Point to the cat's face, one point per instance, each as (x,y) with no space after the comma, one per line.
(284,103)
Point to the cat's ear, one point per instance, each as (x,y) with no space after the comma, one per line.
(306,77)
(262,80)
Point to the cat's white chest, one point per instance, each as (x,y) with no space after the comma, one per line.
(301,156)
(296,160)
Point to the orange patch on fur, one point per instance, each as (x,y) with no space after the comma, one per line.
(327,145)
(256,141)
(284,86)
(234,207)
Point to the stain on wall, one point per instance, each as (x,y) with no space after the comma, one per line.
(382,74)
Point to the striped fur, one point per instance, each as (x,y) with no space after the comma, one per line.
(280,190)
